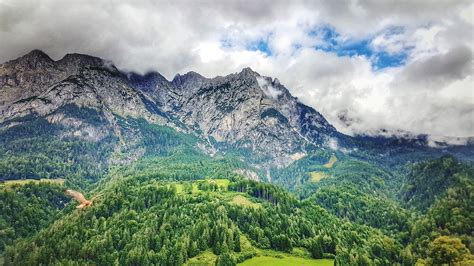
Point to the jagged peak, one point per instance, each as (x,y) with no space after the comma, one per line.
(194,75)
(149,81)
(151,76)
(36,53)
(191,76)
(249,71)
(34,59)
(81,59)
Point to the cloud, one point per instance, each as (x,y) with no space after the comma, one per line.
(409,66)
(437,70)
(268,89)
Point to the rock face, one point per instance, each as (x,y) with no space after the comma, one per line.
(244,111)
(253,114)
(35,84)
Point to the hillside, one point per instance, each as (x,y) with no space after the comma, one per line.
(151,221)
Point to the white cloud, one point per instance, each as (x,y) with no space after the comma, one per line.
(431,94)
(390,42)
(268,89)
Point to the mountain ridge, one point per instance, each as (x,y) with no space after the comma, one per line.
(243,111)
(99,84)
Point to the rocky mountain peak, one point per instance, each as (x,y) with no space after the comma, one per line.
(35,59)
(242,110)
(37,54)
(148,81)
(81,59)
(247,71)
(190,79)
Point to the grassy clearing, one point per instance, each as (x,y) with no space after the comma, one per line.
(224,183)
(205,258)
(181,187)
(208,258)
(299,256)
(285,260)
(331,161)
(244,201)
(21,182)
(317,176)
(301,252)
(195,189)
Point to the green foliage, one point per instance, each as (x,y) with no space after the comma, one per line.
(454,212)
(376,211)
(365,176)
(447,250)
(316,248)
(154,139)
(25,209)
(31,150)
(161,203)
(225,259)
(183,164)
(140,221)
(449,199)
(284,260)
(429,180)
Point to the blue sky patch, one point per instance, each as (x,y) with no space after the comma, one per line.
(383,59)
(260,45)
(329,40)
(257,45)
(332,42)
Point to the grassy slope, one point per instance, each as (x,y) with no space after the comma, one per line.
(317,176)
(244,201)
(262,257)
(286,260)
(331,161)
(58,181)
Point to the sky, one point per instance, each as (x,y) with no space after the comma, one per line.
(370,67)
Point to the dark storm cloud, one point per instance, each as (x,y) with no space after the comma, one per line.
(437,70)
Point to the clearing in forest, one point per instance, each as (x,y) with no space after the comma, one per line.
(203,259)
(244,201)
(317,176)
(193,185)
(331,161)
(58,181)
(286,260)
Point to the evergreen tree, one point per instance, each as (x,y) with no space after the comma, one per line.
(225,259)
(316,249)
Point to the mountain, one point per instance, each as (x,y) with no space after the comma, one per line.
(212,171)
(244,111)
